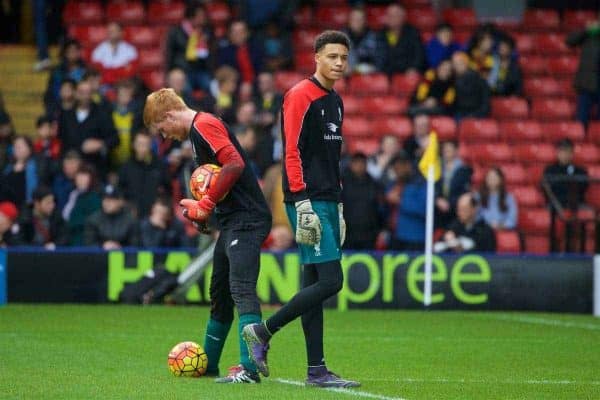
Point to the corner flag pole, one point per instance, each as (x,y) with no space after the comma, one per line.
(429,235)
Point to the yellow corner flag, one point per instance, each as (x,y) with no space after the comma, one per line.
(431,157)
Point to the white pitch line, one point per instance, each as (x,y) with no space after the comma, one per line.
(544,321)
(349,392)
(485,381)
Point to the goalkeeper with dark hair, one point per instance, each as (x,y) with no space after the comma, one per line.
(312,116)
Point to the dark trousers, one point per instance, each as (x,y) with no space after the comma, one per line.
(236,264)
(585,103)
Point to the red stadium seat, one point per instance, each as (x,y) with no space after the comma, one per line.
(83,13)
(398,126)
(218,12)
(556,108)
(304,39)
(304,17)
(535,173)
(507,242)
(534,220)
(150,59)
(153,79)
(486,153)
(593,196)
(565,65)
(555,131)
(165,13)
(472,129)
(528,196)
(533,65)
(424,19)
(126,12)
(540,19)
(514,174)
(389,105)
(576,19)
(405,84)
(543,87)
(594,131)
(143,36)
(376,16)
(536,244)
(445,127)
(542,153)
(374,84)
(521,131)
(586,153)
(525,43)
(286,79)
(594,171)
(89,36)
(356,127)
(461,18)
(353,105)
(332,17)
(509,108)
(550,44)
(305,61)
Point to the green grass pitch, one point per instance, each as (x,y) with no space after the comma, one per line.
(120,352)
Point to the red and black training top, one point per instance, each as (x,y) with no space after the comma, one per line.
(312,142)
(214,143)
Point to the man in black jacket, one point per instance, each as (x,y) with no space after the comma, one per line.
(143,177)
(363,199)
(88,128)
(472,91)
(41,224)
(568,182)
(112,227)
(399,45)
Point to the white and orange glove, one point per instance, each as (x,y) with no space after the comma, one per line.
(197,211)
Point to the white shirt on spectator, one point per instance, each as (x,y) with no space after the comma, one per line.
(114,57)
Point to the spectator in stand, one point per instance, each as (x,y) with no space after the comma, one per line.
(89,129)
(415,145)
(480,52)
(587,79)
(363,52)
(199,100)
(189,46)
(112,227)
(161,228)
(267,100)
(498,207)
(115,58)
(83,201)
(23,174)
(277,47)
(144,177)
(567,181)
(407,200)
(472,92)
(7,134)
(363,205)
(41,224)
(505,77)
(377,164)
(399,44)
(442,46)
(66,99)
(455,181)
(241,52)
(64,181)
(468,233)
(46,143)
(8,215)
(246,136)
(127,119)
(94,78)
(436,93)
(71,66)
(224,90)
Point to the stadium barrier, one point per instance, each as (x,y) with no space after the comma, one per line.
(377,280)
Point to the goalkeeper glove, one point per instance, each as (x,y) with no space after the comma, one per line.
(342,224)
(197,211)
(308,225)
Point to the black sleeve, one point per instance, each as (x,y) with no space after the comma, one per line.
(90,234)
(108,131)
(484,108)
(576,38)
(60,232)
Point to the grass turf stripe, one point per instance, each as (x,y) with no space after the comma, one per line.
(349,392)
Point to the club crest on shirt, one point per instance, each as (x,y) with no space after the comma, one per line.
(332,127)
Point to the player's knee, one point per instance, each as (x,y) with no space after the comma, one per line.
(333,283)
(221,311)
(245,298)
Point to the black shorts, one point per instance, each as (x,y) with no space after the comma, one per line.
(236,264)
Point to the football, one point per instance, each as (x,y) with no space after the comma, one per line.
(187,359)
(201,179)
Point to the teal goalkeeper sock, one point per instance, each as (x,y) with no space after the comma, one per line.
(214,340)
(247,319)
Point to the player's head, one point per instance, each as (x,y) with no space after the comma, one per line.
(331,54)
(160,114)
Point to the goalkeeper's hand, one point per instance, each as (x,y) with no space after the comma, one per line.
(308,225)
(197,211)
(342,224)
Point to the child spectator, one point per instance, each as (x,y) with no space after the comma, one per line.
(505,77)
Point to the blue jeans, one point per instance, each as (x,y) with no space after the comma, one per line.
(585,102)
